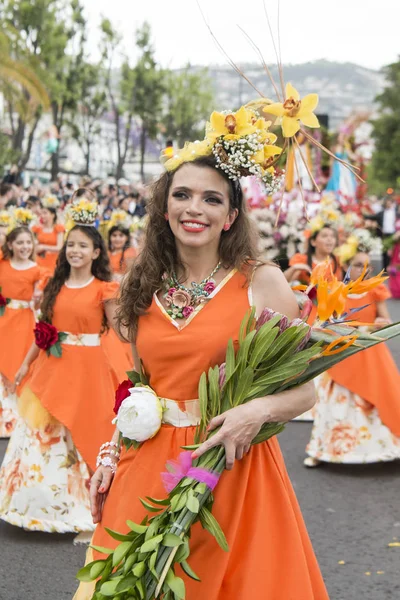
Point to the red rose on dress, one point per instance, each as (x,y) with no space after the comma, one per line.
(45,335)
(122,393)
(3,301)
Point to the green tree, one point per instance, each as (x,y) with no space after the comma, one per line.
(120,94)
(149,89)
(91,106)
(189,101)
(385,167)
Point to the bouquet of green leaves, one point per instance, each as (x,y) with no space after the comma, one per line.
(274,355)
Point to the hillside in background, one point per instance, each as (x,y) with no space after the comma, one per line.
(342,87)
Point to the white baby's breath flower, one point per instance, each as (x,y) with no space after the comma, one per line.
(140,415)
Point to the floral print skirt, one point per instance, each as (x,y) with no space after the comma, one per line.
(44,483)
(347,429)
(8,409)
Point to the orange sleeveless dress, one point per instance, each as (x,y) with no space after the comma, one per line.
(270,553)
(78,388)
(48,238)
(16,334)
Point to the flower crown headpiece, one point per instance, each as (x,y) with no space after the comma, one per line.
(241,141)
(50,201)
(327,216)
(82,211)
(21,217)
(139,224)
(360,240)
(119,218)
(5,219)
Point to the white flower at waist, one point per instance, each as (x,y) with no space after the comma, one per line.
(140,414)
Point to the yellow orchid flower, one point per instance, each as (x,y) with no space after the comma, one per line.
(346,251)
(266,156)
(294,110)
(231,126)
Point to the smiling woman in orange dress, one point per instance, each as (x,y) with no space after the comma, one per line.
(199,214)
(49,235)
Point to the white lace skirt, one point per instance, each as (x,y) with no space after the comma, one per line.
(347,429)
(44,483)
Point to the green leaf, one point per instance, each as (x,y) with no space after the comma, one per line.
(189,571)
(230,363)
(171,540)
(244,349)
(136,528)
(56,350)
(133,376)
(102,549)
(183,551)
(192,503)
(213,407)
(163,502)
(176,584)
(262,342)
(178,502)
(210,523)
(148,506)
(120,552)
(139,569)
(244,385)
(203,397)
(130,561)
(84,573)
(2,310)
(152,544)
(110,587)
(97,569)
(118,536)
(62,336)
(141,589)
(126,583)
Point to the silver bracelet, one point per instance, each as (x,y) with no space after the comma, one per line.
(107,461)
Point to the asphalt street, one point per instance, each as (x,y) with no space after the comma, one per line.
(352,514)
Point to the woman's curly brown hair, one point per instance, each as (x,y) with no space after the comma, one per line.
(100,269)
(238,248)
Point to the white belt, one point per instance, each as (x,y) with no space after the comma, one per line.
(16,304)
(82,339)
(175,415)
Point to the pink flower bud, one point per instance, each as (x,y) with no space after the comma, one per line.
(266,315)
(222,375)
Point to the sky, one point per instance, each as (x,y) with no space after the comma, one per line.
(365,32)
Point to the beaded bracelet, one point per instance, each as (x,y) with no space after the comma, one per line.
(107,461)
(108,444)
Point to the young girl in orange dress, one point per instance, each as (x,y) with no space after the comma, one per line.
(20,277)
(120,252)
(66,403)
(357,414)
(49,234)
(199,214)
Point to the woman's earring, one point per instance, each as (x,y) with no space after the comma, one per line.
(166,216)
(227,227)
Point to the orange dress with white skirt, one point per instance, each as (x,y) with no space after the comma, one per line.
(16,333)
(270,555)
(66,409)
(48,238)
(357,414)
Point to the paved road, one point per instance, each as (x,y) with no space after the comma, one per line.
(352,514)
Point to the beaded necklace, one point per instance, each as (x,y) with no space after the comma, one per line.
(181,300)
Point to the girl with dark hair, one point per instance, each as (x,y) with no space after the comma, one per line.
(120,252)
(198,231)
(49,234)
(66,403)
(320,247)
(19,282)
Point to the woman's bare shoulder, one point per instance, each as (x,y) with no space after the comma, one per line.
(270,289)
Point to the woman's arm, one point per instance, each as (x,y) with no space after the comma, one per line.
(291,273)
(31,356)
(383,316)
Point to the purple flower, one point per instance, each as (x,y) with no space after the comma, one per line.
(222,376)
(187,311)
(209,287)
(266,315)
(171,291)
(277,237)
(283,324)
